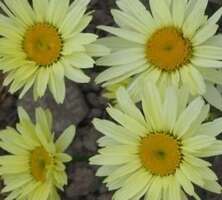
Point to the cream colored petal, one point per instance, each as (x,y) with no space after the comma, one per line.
(23,115)
(65,139)
(212,75)
(11,137)
(213,96)
(152,106)
(27,130)
(107,141)
(117,150)
(11,169)
(197,143)
(128,168)
(215,41)
(188,116)
(127,21)
(114,131)
(198,80)
(57,83)
(116,43)
(203,115)
(42,138)
(80,60)
(209,52)
(126,76)
(122,57)
(174,189)
(213,128)
(40,9)
(206,63)
(84,22)
(136,9)
(170,107)
(41,192)
(135,88)
(29,83)
(42,80)
(212,150)
(191,174)
(154,191)
(125,34)
(133,185)
(161,12)
(207,173)
(212,186)
(73,17)
(114,185)
(185,182)
(17,183)
(192,80)
(131,124)
(126,104)
(22,10)
(183,97)
(76,75)
(56,11)
(111,160)
(96,50)
(194,18)
(41,119)
(106,170)
(204,34)
(120,70)
(178,12)
(195,161)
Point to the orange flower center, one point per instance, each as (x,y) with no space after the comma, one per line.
(40,161)
(160,154)
(42,44)
(168,50)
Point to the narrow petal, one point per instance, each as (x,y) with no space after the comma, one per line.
(65,139)
(188,116)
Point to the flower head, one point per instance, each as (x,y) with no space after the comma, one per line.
(173,45)
(110,90)
(43,44)
(158,153)
(34,168)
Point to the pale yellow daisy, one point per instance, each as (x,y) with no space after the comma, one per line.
(110,91)
(173,45)
(157,153)
(43,44)
(34,168)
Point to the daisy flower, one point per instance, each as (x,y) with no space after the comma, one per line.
(110,90)
(43,43)
(35,168)
(173,45)
(157,153)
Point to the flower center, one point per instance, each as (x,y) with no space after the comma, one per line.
(42,44)
(160,154)
(40,160)
(168,50)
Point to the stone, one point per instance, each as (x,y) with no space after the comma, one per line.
(72,111)
(83,181)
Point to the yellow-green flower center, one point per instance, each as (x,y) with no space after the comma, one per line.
(168,50)
(40,161)
(160,154)
(42,44)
